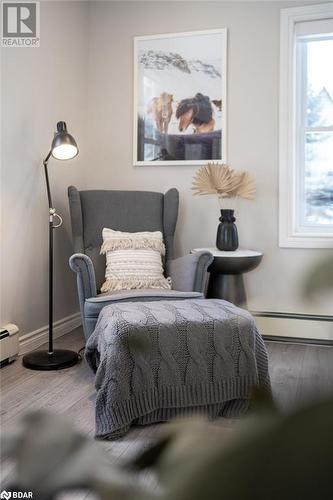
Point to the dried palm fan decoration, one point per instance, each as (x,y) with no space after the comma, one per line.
(223,181)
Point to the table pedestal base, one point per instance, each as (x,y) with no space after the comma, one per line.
(228,287)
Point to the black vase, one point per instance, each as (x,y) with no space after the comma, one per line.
(227,235)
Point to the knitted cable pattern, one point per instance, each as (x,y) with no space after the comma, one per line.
(162,359)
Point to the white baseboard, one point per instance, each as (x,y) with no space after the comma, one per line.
(311,329)
(32,340)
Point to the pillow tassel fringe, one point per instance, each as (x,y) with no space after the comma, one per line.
(136,244)
(117,284)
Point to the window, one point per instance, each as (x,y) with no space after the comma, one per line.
(306,127)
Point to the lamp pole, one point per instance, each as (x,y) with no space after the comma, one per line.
(52,214)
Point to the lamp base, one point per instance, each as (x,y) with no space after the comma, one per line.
(57,360)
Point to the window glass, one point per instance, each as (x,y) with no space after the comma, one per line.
(314,103)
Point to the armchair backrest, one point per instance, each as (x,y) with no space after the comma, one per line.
(131,211)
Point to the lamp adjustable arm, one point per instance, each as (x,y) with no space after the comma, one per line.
(47,179)
(52,210)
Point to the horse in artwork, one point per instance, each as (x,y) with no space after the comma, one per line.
(160,108)
(197,111)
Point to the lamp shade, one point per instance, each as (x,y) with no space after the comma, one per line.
(63,146)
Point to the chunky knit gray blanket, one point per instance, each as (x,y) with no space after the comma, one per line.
(157,360)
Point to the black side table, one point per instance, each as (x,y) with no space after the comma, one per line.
(226,280)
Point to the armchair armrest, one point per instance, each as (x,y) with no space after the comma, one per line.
(82,265)
(189,273)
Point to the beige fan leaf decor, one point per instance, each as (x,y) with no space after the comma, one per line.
(246,188)
(221,180)
(224,182)
(214,179)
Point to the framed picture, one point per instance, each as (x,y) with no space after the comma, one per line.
(180,98)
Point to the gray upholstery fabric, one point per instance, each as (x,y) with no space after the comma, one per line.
(76,218)
(94,305)
(86,284)
(143,294)
(190,272)
(170,215)
(130,211)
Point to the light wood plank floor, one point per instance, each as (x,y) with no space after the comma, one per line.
(299,373)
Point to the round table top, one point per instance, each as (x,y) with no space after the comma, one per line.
(240,252)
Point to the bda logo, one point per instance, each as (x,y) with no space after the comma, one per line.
(15,494)
(5,494)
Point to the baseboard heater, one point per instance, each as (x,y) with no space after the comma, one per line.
(9,344)
(295,328)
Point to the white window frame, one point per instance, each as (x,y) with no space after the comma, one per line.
(289,234)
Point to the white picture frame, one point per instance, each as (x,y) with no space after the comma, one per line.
(177,78)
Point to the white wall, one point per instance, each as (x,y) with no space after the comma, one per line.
(253,85)
(40,86)
(83,73)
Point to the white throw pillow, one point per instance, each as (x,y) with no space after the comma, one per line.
(133,260)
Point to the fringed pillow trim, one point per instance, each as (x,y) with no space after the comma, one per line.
(116,240)
(131,284)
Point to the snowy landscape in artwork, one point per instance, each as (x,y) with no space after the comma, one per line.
(180,98)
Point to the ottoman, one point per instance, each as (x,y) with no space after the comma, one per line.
(163,359)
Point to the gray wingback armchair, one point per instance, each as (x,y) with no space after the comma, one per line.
(130,211)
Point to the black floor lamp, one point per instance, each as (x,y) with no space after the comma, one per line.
(63,147)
